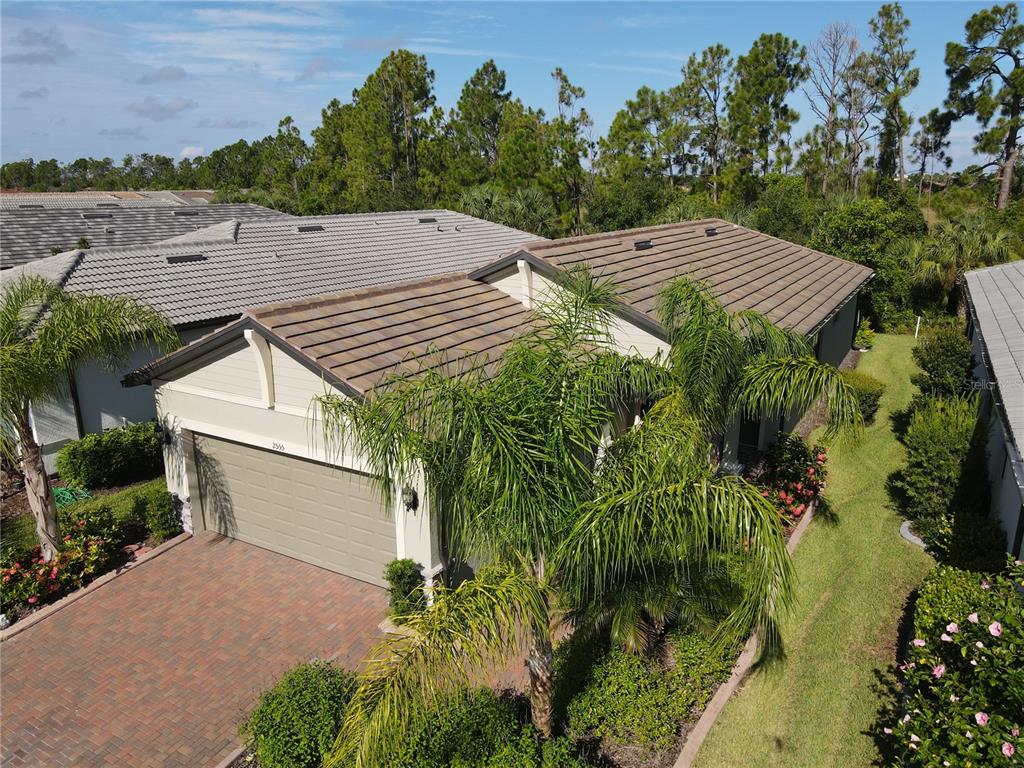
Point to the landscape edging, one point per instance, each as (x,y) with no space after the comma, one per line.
(78,594)
(695,738)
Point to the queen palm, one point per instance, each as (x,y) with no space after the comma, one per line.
(45,334)
(511,454)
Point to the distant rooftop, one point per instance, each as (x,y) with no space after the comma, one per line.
(87,198)
(32,233)
(218,272)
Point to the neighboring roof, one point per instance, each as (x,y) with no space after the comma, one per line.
(270,260)
(31,233)
(356,339)
(997,301)
(794,286)
(49,200)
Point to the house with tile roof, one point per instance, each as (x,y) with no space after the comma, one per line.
(203,278)
(237,406)
(996,302)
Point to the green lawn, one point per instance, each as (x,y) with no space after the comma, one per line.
(853,578)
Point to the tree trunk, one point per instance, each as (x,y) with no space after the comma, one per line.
(1006,178)
(540,662)
(37,488)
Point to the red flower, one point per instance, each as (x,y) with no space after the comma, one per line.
(782,495)
(33,600)
(810,471)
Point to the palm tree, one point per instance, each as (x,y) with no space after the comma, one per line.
(523,474)
(961,246)
(45,334)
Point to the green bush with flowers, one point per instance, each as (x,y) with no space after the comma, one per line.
(29,581)
(793,475)
(963,679)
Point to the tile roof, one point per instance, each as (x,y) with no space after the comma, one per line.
(997,300)
(218,276)
(363,336)
(794,286)
(51,200)
(31,233)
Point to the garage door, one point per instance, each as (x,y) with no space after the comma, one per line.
(330,517)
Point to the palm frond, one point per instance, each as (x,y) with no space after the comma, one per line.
(792,384)
(439,652)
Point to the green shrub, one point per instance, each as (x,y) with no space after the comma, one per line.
(162,521)
(865,338)
(938,441)
(868,391)
(793,475)
(482,730)
(627,700)
(296,721)
(27,581)
(142,510)
(698,667)
(405,587)
(963,682)
(116,457)
(946,362)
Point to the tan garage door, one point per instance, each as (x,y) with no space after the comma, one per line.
(330,517)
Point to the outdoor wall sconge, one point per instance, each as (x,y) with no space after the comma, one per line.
(409,498)
(163,435)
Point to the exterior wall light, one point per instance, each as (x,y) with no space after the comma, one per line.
(410,499)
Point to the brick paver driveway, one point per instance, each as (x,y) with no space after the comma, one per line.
(157,667)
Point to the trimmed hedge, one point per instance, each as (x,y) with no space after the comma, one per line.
(868,391)
(405,587)
(117,457)
(946,362)
(145,509)
(296,721)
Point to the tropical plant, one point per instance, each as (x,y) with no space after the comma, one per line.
(961,246)
(511,454)
(45,334)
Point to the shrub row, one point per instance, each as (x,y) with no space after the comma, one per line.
(116,457)
(868,390)
(963,680)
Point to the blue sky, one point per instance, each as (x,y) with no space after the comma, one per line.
(181,78)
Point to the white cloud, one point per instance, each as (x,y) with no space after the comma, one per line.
(158,111)
(191,152)
(253,16)
(228,123)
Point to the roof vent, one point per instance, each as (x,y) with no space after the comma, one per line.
(185,212)
(30,205)
(643,245)
(185,258)
(710,231)
(428,220)
(311,228)
(97,215)
(108,205)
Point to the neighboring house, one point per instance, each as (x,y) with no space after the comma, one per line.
(996,300)
(91,197)
(32,231)
(206,278)
(243,445)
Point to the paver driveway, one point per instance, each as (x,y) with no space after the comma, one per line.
(158,667)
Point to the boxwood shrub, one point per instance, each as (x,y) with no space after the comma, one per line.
(296,721)
(117,457)
(405,587)
(868,391)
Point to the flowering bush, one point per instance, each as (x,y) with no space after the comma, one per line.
(964,675)
(793,475)
(29,581)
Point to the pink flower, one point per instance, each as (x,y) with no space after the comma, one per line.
(985,584)
(33,600)
(981,718)
(914,738)
(821,457)
(995,629)
(887,731)
(939,670)
(945,638)
(973,618)
(980,644)
(969,735)
(811,471)
(765,494)
(952,628)
(1008,749)
(1015,732)
(919,642)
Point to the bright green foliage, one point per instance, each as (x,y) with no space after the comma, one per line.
(785,209)
(865,337)
(946,361)
(617,202)
(760,119)
(986,79)
(162,521)
(963,681)
(938,441)
(295,722)
(118,456)
(405,587)
(868,390)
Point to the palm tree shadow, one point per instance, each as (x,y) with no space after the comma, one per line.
(218,508)
(825,512)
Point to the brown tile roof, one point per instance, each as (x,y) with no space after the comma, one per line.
(796,287)
(362,336)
